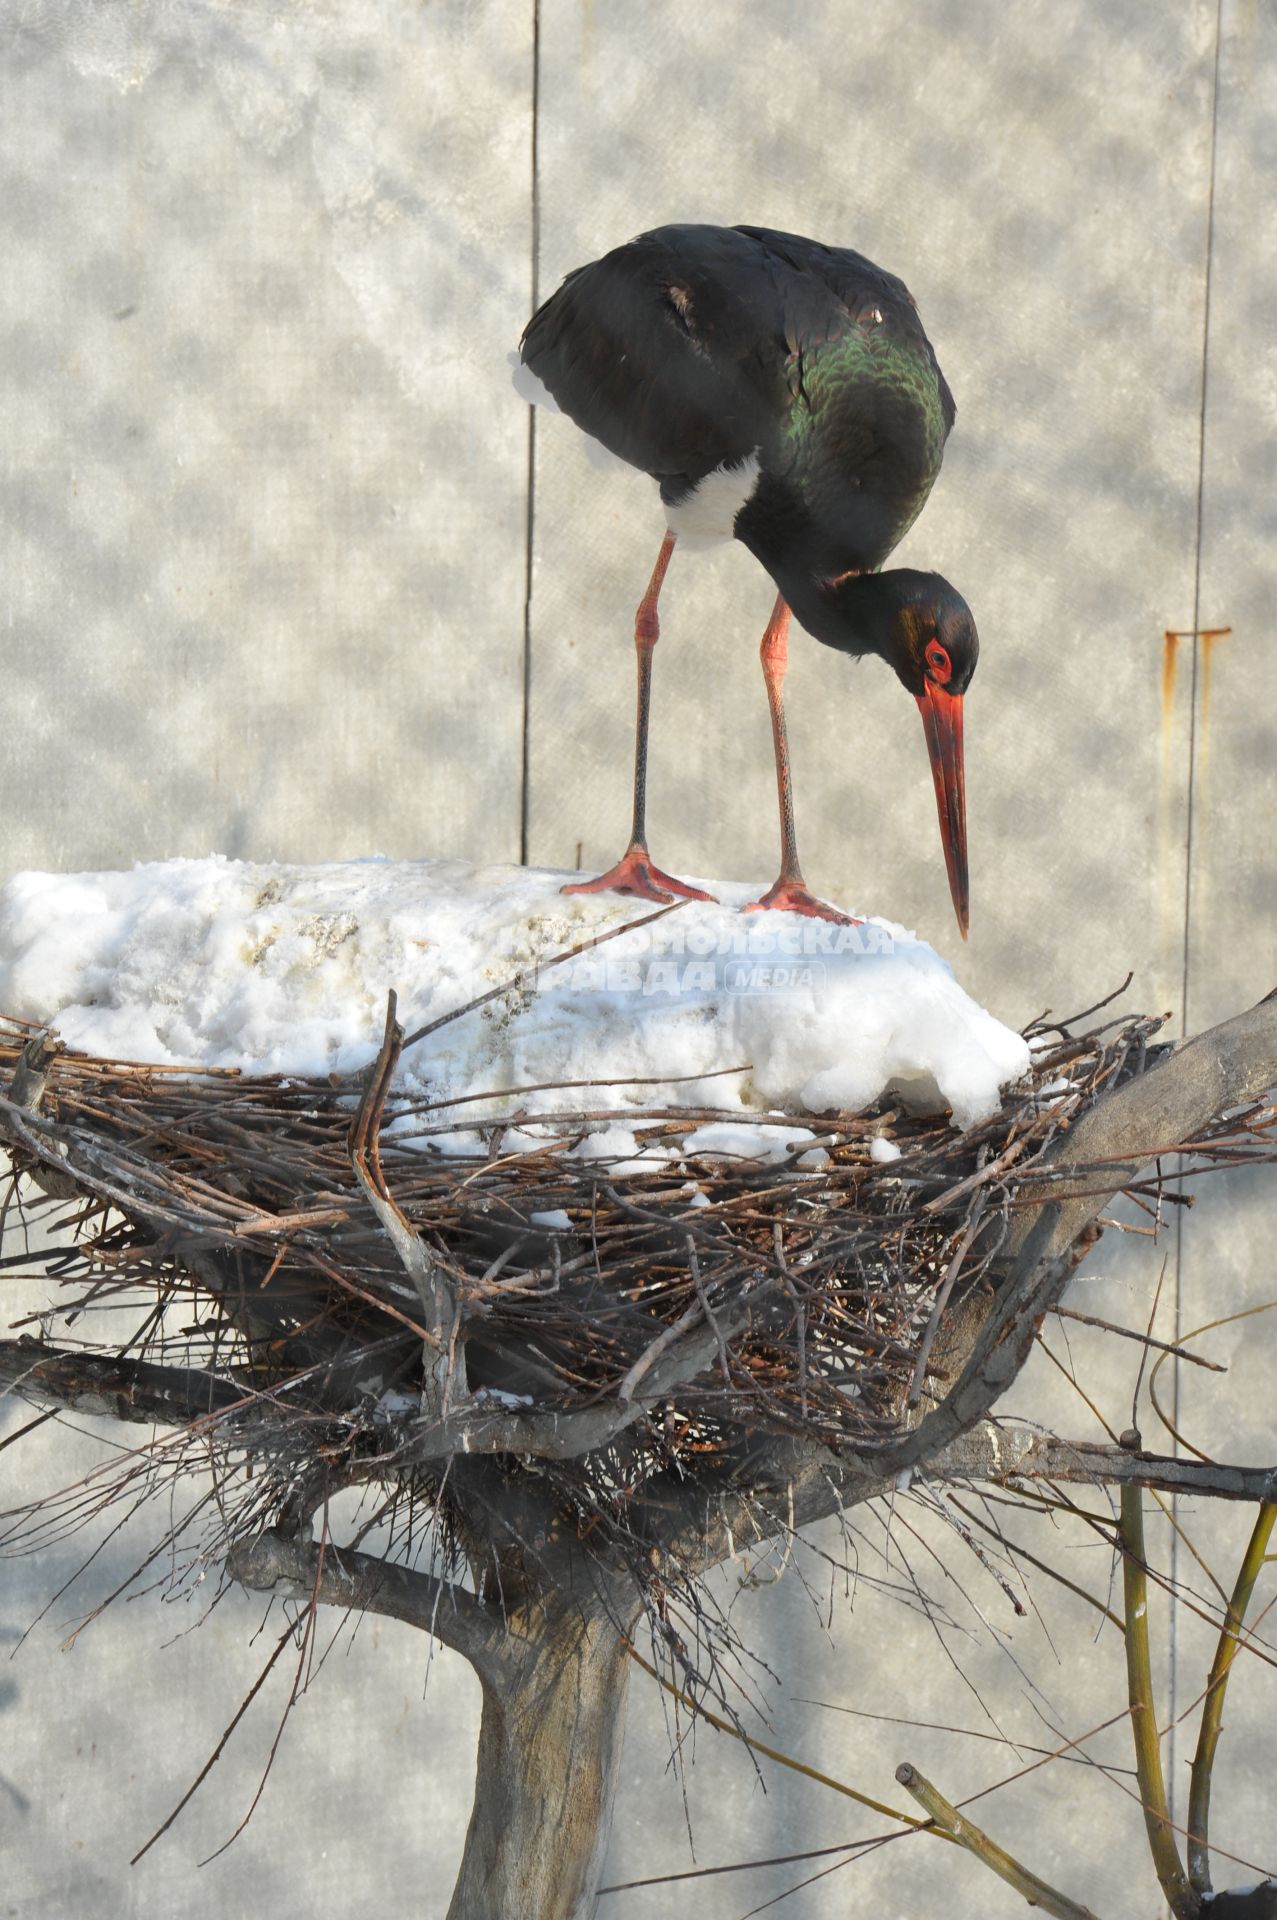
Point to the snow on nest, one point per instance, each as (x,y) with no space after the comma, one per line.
(286,969)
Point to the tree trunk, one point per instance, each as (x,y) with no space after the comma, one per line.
(549,1748)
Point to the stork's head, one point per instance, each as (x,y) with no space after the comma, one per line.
(923,629)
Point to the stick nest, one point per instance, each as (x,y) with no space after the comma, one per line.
(231,1216)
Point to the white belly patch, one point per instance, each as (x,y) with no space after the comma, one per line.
(707,515)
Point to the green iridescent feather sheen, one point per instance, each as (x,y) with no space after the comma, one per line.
(864,396)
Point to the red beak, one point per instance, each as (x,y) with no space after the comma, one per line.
(942,718)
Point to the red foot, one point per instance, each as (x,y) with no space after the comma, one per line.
(791,896)
(634,874)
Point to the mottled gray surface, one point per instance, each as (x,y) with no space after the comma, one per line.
(263,557)
(264,487)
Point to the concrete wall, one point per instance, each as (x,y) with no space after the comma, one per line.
(269,527)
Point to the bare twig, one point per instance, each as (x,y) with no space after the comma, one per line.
(702,1712)
(1146,1339)
(1213,1708)
(220,1748)
(444,1369)
(1180,1895)
(942,1299)
(948,1820)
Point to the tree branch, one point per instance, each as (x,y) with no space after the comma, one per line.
(1212,1721)
(567,1435)
(992,1452)
(140,1391)
(1037,1892)
(130,1390)
(1181,1897)
(344,1577)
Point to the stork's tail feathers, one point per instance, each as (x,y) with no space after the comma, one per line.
(536,394)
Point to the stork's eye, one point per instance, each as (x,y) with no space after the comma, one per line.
(939,665)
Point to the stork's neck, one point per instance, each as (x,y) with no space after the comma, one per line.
(780,531)
(778,526)
(859,617)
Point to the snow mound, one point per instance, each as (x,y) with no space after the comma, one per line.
(277,969)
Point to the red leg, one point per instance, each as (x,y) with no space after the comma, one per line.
(634,872)
(789,894)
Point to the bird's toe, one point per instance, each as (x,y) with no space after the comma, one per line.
(634,874)
(790,896)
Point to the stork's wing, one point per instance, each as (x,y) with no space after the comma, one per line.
(666,350)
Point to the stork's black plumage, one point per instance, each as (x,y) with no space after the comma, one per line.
(782,393)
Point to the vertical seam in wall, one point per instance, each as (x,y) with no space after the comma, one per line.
(525,770)
(1172,1651)
(1201,502)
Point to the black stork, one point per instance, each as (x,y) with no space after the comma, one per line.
(782,393)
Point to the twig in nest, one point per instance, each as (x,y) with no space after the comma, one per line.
(662,1344)
(694,1267)
(942,1298)
(447,1366)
